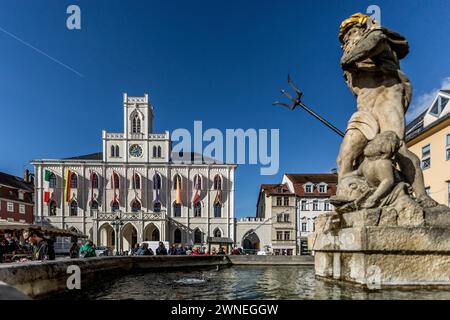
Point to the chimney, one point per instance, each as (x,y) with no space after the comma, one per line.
(26,175)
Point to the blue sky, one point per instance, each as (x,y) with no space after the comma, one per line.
(222,62)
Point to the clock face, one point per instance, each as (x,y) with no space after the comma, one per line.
(135,150)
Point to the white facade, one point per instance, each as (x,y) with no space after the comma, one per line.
(145,204)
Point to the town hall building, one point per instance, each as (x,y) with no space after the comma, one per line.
(135,190)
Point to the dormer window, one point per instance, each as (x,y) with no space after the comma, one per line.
(322,188)
(438,106)
(308,188)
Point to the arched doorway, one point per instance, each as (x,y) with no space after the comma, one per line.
(129,237)
(151,233)
(251,241)
(107,236)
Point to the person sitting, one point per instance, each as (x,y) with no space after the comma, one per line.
(42,249)
(221,252)
(135,249)
(144,250)
(172,250)
(87,250)
(180,251)
(161,250)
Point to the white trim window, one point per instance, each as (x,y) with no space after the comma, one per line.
(308,187)
(10,207)
(322,188)
(22,208)
(426,157)
(447,147)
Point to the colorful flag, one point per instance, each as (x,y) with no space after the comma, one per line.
(68,186)
(196,196)
(47,175)
(178,195)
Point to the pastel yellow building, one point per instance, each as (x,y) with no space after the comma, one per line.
(428,136)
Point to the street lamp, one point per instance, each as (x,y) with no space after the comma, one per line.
(117,223)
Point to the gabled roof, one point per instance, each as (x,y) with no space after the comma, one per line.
(15,182)
(273,189)
(301,178)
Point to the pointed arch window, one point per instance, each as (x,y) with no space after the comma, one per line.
(52,208)
(198,236)
(136,125)
(159,152)
(157,206)
(115,206)
(198,182)
(176,209)
(94,180)
(135,206)
(217,233)
(217,182)
(176,178)
(156,181)
(94,207)
(155,154)
(197,209)
(73,208)
(52,180)
(177,236)
(117,153)
(73,181)
(113,151)
(217,210)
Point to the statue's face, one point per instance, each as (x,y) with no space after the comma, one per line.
(351,37)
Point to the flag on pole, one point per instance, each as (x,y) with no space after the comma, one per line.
(178,195)
(196,196)
(47,175)
(68,186)
(114,185)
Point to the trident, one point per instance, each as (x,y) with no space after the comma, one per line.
(297,101)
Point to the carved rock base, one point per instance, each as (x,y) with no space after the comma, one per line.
(357,248)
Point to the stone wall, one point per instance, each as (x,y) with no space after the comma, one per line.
(272,260)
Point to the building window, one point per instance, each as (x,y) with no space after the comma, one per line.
(308,188)
(113,151)
(135,206)
(218,210)
(428,190)
(177,209)
(217,182)
(117,154)
(115,206)
(136,125)
(448,193)
(287,235)
(447,144)
(315,205)
(304,205)
(198,236)
(177,236)
(159,152)
(286,201)
(322,188)
(314,225)
(279,201)
(21,208)
(154,152)
(279,235)
(326,205)
(94,207)
(176,181)
(198,182)
(217,233)
(197,209)
(286,217)
(10,207)
(73,208)
(303,226)
(94,181)
(156,181)
(52,208)
(157,206)
(52,180)
(279,217)
(74,181)
(426,157)
(137,181)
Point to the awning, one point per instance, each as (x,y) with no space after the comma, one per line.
(47,230)
(220,240)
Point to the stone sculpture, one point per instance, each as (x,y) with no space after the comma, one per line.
(385,230)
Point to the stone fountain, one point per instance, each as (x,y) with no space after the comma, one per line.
(385,230)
